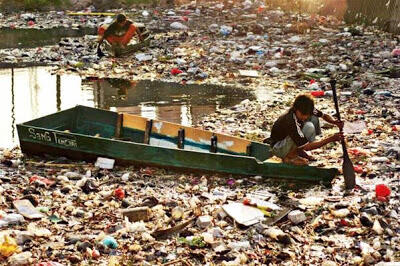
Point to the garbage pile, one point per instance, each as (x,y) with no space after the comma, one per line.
(189,45)
(48,20)
(60,212)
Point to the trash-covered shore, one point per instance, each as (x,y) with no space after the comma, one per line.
(54,210)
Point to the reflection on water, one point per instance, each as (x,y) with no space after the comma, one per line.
(29,93)
(177,103)
(12,105)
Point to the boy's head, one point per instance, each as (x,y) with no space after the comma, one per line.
(303,106)
(121,19)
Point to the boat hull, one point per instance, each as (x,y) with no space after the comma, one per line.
(35,139)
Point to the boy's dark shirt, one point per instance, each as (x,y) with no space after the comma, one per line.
(288,125)
(115,30)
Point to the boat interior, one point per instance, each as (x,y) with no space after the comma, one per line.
(126,127)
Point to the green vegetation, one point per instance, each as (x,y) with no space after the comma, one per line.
(195,242)
(44,5)
(38,5)
(140,2)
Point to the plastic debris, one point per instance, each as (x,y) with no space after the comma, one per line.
(282,54)
(41,180)
(38,231)
(204,221)
(178,26)
(119,193)
(20,259)
(243,214)
(137,214)
(143,57)
(110,242)
(10,219)
(8,246)
(297,217)
(382,191)
(249,73)
(176,71)
(25,208)
(105,163)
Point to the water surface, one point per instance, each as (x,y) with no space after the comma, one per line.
(29,93)
(29,38)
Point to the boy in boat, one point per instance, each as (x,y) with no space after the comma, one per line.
(118,34)
(294,132)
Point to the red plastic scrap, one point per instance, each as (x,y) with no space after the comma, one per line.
(176,71)
(49,263)
(40,179)
(382,192)
(119,193)
(358,169)
(356,152)
(343,222)
(318,93)
(396,128)
(360,112)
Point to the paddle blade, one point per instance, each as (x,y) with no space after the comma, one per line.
(348,170)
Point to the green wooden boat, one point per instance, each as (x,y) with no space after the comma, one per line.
(86,133)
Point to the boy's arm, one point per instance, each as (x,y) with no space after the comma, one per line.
(101,39)
(108,32)
(318,144)
(333,121)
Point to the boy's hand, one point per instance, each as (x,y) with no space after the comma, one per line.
(339,124)
(99,52)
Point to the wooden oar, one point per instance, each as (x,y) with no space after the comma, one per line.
(348,168)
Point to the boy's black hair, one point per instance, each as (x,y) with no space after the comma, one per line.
(121,18)
(304,103)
